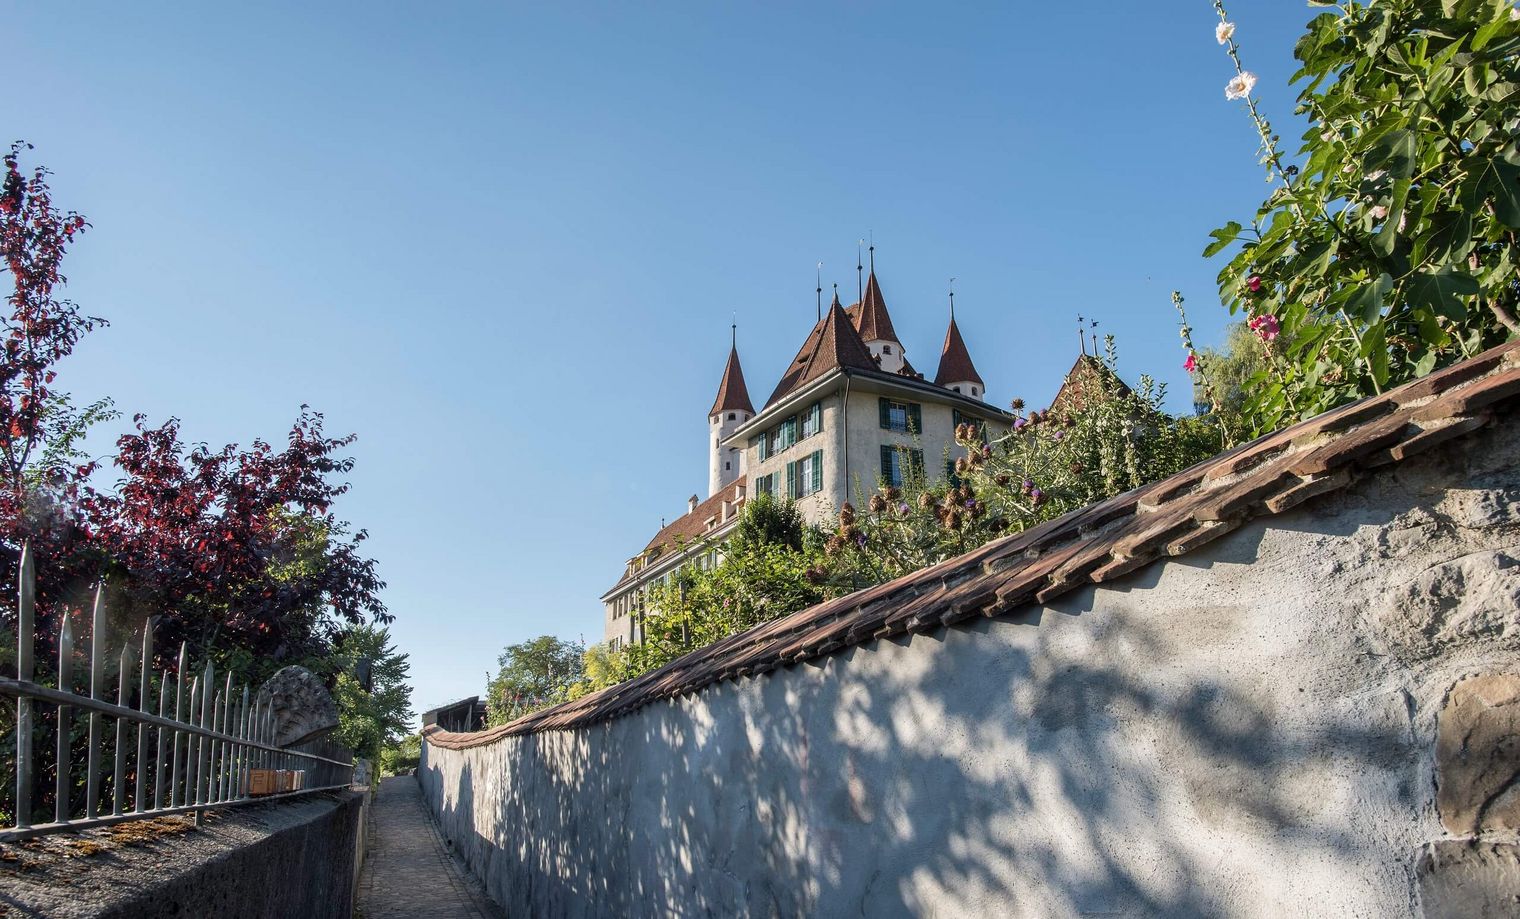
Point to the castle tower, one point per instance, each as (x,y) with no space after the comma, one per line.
(875,327)
(731,409)
(955,368)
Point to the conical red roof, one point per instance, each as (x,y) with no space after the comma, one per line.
(872,321)
(955,361)
(732,393)
(832,343)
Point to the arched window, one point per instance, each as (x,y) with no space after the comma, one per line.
(730,416)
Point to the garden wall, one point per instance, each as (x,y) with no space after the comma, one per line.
(1318,713)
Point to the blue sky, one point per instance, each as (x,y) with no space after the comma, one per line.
(502,242)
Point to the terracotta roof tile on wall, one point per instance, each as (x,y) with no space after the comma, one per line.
(1093,545)
(732,393)
(955,361)
(833,343)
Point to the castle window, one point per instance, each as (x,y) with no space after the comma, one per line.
(731,416)
(805,476)
(973,390)
(727,465)
(901,416)
(899,463)
(812,420)
(886,349)
(956,388)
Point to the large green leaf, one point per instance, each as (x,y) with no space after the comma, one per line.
(1393,152)
(1368,301)
(1442,292)
(1501,182)
(1222,237)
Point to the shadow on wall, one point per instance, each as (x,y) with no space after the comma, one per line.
(993,779)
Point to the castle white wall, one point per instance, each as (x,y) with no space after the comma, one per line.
(1247,730)
(724,464)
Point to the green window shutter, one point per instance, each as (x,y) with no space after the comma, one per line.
(791,480)
(886,463)
(886,413)
(915,418)
(817,470)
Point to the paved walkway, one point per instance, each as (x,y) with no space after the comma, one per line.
(408,872)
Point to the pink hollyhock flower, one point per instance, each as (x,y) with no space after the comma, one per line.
(1191,364)
(1265,326)
(1253,283)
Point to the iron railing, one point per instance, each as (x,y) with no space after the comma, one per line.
(200,749)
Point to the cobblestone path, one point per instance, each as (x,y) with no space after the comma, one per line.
(408,872)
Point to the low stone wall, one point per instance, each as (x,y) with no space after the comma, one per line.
(293,858)
(1316,714)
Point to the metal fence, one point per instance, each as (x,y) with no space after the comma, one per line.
(196,746)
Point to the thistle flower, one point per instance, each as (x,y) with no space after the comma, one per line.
(892,493)
(846,514)
(903,508)
(1224,32)
(925,501)
(1240,85)
(952,519)
(1037,496)
(1016,404)
(1002,479)
(877,504)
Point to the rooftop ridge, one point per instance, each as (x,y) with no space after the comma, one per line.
(833,343)
(1091,545)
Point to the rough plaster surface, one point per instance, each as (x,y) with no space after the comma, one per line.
(303,708)
(1478,755)
(280,860)
(1247,730)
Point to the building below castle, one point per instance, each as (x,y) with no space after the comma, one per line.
(849,414)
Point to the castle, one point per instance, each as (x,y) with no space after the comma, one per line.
(849,413)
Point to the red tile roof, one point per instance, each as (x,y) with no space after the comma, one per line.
(1093,545)
(872,321)
(955,361)
(832,344)
(1086,374)
(691,525)
(732,394)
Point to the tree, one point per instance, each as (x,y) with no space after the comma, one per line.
(1388,247)
(531,675)
(370,687)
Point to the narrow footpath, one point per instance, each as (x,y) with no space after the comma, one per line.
(408,871)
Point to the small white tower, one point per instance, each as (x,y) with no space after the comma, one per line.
(875,326)
(731,409)
(956,372)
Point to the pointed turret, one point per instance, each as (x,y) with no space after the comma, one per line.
(955,368)
(730,410)
(874,323)
(832,343)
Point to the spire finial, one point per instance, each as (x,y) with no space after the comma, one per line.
(872,235)
(952,299)
(1094,327)
(733,332)
(1081,333)
(820,291)
(860,282)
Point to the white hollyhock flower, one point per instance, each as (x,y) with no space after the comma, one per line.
(1224,31)
(1241,86)
(1379,212)
(1514,13)
(1376,175)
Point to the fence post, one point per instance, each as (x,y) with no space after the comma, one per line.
(140,793)
(97,677)
(65,681)
(119,774)
(26,599)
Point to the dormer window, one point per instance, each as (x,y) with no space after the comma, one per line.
(973,390)
(886,349)
(956,388)
(731,416)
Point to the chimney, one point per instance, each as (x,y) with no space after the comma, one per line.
(691,504)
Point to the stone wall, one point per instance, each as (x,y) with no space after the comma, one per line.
(1316,714)
(291,858)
